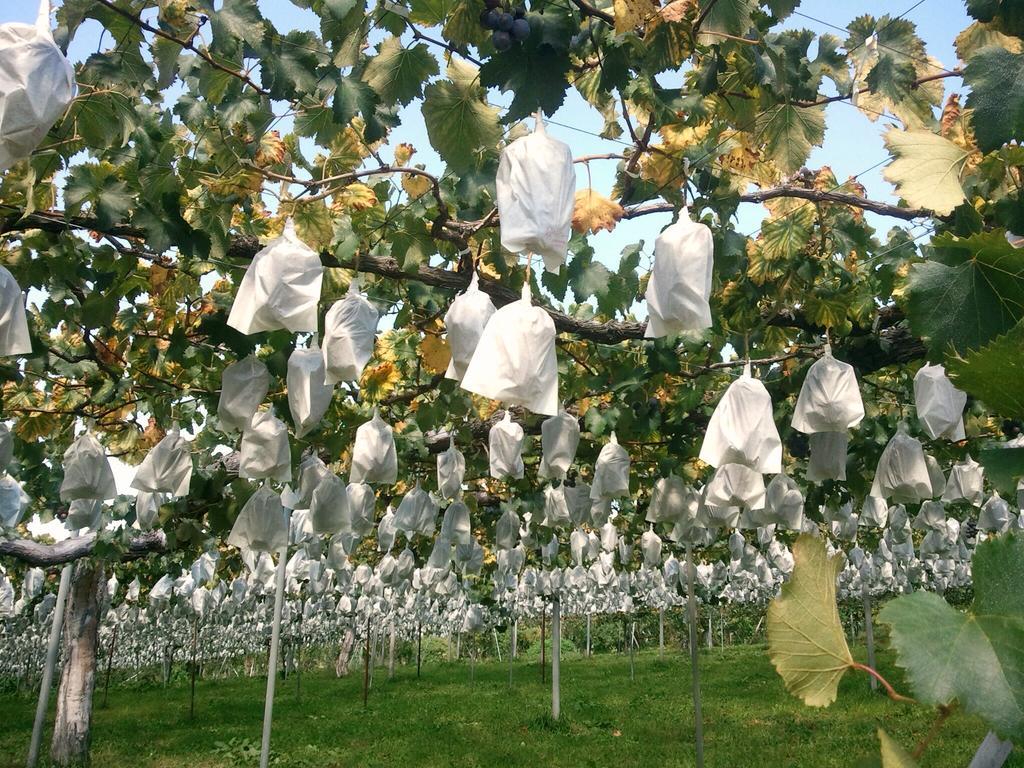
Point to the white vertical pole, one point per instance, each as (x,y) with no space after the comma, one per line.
(556,654)
(588,635)
(52,649)
(661,633)
(275,640)
(869,630)
(691,605)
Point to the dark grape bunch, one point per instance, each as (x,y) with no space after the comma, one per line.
(507,27)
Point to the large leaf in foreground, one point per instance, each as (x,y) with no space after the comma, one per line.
(460,124)
(926,169)
(970,291)
(893,755)
(976,657)
(995,373)
(805,637)
(996,77)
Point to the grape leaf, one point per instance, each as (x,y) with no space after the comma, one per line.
(996,78)
(460,124)
(893,755)
(969,292)
(926,169)
(397,73)
(1003,467)
(994,373)
(977,656)
(536,70)
(731,17)
(806,643)
(789,132)
(593,212)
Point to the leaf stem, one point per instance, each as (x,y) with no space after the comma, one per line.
(944,712)
(885,683)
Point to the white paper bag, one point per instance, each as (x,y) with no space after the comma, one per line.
(311,471)
(84,513)
(262,525)
(264,453)
(902,474)
(147,509)
(14,338)
(416,513)
(995,515)
(455,525)
(680,283)
(783,504)
(6,447)
(742,428)
(536,188)
(387,530)
(244,384)
(650,545)
(874,512)
(464,322)
(37,83)
(505,449)
(736,485)
(167,468)
(828,456)
(578,502)
(556,510)
(611,471)
(515,360)
(309,395)
(350,330)
(451,469)
(280,289)
(87,472)
(328,508)
(931,516)
(506,531)
(829,400)
(940,405)
(559,439)
(374,458)
(13,501)
(362,511)
(966,483)
(672,501)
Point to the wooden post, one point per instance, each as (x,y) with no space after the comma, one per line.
(73,723)
(691,607)
(52,649)
(275,642)
(110,663)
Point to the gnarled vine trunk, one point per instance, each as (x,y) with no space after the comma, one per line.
(71,730)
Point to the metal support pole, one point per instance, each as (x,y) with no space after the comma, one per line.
(275,641)
(661,634)
(556,655)
(419,647)
(869,631)
(691,607)
(52,648)
(110,663)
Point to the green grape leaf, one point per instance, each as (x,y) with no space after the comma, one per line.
(460,124)
(994,373)
(95,187)
(893,755)
(977,656)
(979,35)
(926,169)
(806,643)
(537,70)
(969,292)
(397,73)
(996,78)
(789,132)
(1003,467)
(731,17)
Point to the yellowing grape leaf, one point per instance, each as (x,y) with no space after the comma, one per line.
(435,353)
(893,755)
(926,169)
(630,14)
(415,186)
(806,643)
(593,212)
(355,197)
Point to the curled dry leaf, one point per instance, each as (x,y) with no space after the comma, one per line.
(593,212)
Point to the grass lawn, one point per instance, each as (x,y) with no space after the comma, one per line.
(447,719)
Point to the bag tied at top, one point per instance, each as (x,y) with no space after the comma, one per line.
(167,468)
(680,285)
(14,338)
(536,188)
(505,449)
(87,472)
(611,471)
(742,428)
(829,400)
(280,289)
(37,83)
(515,360)
(243,385)
(559,439)
(264,450)
(262,525)
(451,469)
(350,330)
(464,323)
(940,405)
(374,459)
(309,394)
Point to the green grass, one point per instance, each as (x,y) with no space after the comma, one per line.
(445,719)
